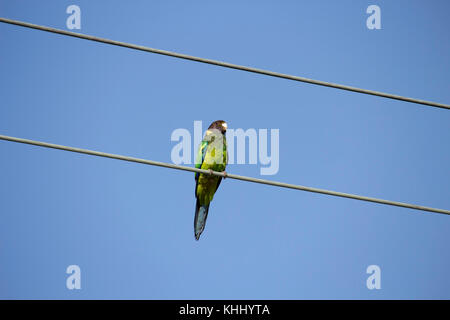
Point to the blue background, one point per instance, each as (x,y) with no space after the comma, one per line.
(130,227)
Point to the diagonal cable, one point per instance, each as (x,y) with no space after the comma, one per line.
(226,64)
(231,176)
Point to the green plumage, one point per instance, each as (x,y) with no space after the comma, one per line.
(212,155)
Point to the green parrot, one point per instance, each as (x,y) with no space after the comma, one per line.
(212,155)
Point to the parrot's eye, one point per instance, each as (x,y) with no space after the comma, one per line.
(224,125)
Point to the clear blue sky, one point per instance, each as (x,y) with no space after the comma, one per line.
(130,227)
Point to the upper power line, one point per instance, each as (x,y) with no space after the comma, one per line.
(231,176)
(225,64)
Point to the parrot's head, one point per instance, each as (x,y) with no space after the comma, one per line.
(219,125)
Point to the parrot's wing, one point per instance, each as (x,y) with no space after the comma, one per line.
(201,154)
(225,154)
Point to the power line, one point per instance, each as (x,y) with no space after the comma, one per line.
(225,64)
(221,174)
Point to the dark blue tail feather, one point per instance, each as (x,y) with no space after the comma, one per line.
(201,214)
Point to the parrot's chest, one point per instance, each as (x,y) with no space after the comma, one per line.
(215,157)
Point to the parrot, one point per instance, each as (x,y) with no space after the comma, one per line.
(212,155)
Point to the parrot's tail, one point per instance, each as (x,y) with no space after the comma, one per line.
(201,213)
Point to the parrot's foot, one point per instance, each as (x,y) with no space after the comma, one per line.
(210,172)
(225,175)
